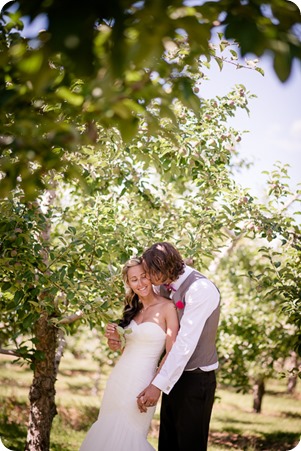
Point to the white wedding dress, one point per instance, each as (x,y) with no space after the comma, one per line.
(120,425)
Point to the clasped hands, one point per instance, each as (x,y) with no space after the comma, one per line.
(148,397)
(151,394)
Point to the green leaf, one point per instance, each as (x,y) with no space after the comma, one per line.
(74,99)
(5,286)
(260,70)
(128,129)
(32,63)
(282,64)
(18,297)
(219,62)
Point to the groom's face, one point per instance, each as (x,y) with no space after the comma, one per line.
(156,277)
(159,279)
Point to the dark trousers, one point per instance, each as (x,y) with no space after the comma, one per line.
(186,412)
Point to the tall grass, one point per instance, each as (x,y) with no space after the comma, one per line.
(233,426)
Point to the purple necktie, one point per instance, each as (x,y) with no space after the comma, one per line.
(169,287)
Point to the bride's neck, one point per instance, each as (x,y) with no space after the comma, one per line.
(149,300)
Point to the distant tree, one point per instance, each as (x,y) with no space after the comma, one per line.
(260,282)
(254,334)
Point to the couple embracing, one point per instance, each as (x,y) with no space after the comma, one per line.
(170,321)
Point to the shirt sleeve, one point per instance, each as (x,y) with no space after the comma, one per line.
(201,300)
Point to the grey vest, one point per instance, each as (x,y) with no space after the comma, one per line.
(205,352)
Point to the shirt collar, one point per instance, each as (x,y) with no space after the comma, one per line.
(178,282)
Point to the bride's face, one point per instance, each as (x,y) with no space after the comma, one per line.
(139,281)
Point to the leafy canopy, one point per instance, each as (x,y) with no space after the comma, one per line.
(106,66)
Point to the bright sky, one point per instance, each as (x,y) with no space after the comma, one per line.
(274,123)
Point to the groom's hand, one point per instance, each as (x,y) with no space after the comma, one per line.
(148,397)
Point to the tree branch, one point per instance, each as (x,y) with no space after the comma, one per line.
(227,250)
(290,201)
(72,318)
(9,352)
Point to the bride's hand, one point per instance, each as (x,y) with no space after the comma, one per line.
(111,332)
(114,345)
(113,337)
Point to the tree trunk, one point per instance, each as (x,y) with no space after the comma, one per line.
(258,392)
(61,344)
(42,390)
(293,377)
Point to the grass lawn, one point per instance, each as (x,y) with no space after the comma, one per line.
(233,425)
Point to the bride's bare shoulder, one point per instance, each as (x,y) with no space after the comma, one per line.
(165,302)
(162,299)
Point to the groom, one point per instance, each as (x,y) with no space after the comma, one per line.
(187,377)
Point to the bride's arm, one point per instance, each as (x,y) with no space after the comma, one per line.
(172,328)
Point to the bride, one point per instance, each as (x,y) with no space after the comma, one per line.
(150,324)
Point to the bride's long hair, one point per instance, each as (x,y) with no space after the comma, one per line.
(132,303)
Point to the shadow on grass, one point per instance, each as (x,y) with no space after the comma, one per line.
(279,441)
(13,436)
(291,414)
(77,418)
(229,423)
(68,428)
(284,440)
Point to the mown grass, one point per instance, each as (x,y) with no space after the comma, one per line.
(233,427)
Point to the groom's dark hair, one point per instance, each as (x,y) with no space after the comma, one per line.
(163,258)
